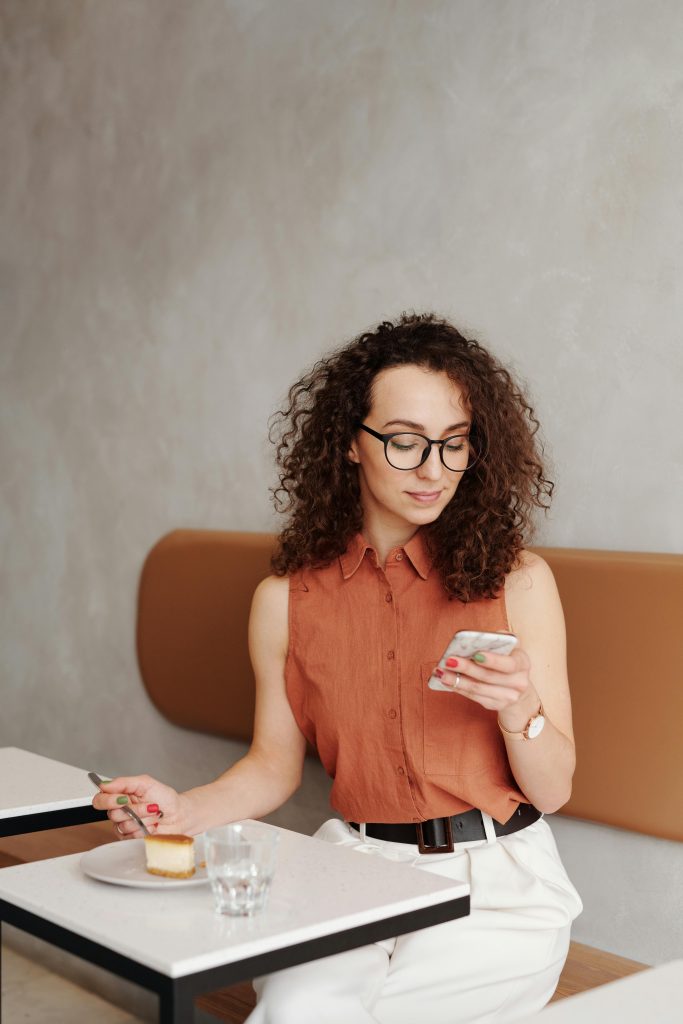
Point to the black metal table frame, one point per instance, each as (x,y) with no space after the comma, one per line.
(21,824)
(177,995)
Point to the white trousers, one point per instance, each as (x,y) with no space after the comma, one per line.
(500,963)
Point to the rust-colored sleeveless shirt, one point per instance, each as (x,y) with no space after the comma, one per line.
(362,644)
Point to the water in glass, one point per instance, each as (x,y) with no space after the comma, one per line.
(240,861)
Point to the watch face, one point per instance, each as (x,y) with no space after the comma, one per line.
(535,726)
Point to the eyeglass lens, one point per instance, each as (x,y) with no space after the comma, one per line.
(407,451)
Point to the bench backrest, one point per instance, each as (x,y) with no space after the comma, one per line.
(624,613)
(625,650)
(193,608)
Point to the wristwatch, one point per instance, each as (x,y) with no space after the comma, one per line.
(532,729)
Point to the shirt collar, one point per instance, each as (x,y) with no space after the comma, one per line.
(415,549)
(420,559)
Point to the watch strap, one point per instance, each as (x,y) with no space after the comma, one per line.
(524,734)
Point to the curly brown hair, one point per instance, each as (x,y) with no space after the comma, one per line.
(478,537)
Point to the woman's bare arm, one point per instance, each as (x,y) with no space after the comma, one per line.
(514,685)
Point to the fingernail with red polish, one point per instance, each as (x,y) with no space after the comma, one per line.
(452,662)
(152,808)
(438,672)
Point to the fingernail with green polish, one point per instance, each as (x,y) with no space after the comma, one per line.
(479,658)
(122,799)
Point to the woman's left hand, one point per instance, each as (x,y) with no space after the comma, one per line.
(499,682)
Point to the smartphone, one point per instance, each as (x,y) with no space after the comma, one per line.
(467,642)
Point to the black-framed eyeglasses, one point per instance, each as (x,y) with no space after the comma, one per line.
(406,450)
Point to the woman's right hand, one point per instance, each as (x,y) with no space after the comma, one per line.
(159,806)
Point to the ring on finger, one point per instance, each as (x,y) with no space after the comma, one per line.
(118,829)
(456,684)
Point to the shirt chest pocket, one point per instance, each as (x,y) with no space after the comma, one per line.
(460,737)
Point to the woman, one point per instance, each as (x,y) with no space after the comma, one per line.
(409,471)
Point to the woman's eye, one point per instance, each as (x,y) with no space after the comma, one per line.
(455,447)
(405,447)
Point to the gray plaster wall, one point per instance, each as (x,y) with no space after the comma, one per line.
(199,199)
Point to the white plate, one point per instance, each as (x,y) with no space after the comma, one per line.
(123,863)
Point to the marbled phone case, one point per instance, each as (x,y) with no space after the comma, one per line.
(467,642)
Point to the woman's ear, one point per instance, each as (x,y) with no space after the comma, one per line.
(352,454)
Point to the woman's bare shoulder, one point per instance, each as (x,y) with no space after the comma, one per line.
(531,572)
(272,589)
(531,596)
(269,619)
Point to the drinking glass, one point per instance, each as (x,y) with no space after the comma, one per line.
(240,862)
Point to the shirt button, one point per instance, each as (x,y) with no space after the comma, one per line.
(399,556)
(392,713)
(401,771)
(391,655)
(388,598)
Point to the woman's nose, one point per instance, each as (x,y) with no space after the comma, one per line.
(431,467)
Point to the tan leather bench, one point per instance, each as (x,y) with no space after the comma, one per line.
(625,652)
(193,608)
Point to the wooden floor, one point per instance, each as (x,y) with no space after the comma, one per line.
(585,968)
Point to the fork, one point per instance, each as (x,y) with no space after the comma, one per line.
(97,781)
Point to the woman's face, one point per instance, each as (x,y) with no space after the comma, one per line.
(409,398)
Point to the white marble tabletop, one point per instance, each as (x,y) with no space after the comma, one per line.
(319,889)
(652,995)
(32,784)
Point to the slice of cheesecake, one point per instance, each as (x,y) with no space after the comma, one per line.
(170,856)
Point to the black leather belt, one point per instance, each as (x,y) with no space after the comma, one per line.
(439,835)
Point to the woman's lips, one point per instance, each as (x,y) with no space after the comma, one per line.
(425,497)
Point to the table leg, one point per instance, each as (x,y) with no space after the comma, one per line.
(176,1003)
